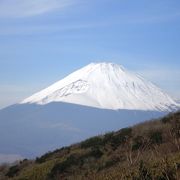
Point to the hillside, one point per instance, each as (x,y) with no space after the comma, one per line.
(149,150)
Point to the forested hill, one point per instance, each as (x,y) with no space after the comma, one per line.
(149,150)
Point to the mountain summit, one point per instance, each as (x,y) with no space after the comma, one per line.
(105,86)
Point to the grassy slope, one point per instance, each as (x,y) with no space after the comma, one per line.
(149,150)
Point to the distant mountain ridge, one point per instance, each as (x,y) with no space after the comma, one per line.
(29,130)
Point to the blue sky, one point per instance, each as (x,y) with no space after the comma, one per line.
(41,41)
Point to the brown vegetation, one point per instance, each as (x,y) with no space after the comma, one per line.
(147,151)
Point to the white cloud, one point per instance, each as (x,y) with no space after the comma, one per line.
(24,8)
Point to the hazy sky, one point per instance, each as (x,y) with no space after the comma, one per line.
(41,41)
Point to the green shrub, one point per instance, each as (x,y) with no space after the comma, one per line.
(165,120)
(13,171)
(46,156)
(137,143)
(108,137)
(96,152)
(92,142)
(43,158)
(121,137)
(63,167)
(156,137)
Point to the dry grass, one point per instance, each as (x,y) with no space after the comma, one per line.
(149,150)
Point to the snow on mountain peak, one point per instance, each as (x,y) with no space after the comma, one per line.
(107,86)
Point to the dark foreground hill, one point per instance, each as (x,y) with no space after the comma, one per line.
(147,151)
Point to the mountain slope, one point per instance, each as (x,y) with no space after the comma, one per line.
(106,86)
(146,151)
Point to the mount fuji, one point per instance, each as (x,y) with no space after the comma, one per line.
(98,98)
(106,86)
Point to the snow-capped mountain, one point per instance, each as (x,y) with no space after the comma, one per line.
(106,86)
(98,98)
